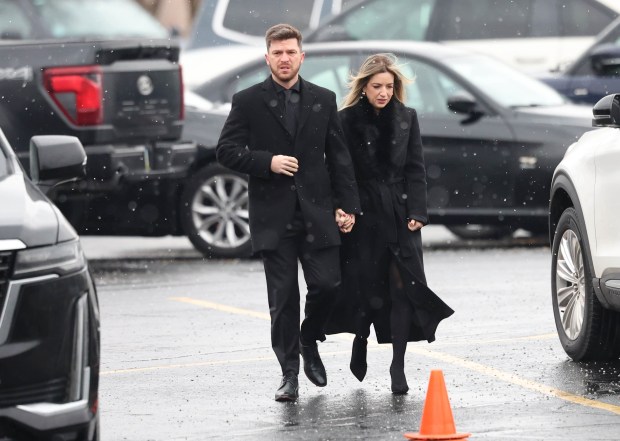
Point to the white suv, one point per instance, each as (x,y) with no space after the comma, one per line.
(585,240)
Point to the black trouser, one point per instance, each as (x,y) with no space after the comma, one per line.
(321,270)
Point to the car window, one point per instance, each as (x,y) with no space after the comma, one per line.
(429,89)
(255,16)
(480,19)
(98,18)
(492,76)
(581,18)
(249,78)
(545,20)
(330,71)
(407,21)
(13,21)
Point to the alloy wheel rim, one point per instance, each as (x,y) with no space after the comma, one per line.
(570,284)
(220,211)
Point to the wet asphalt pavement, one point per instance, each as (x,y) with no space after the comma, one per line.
(186,353)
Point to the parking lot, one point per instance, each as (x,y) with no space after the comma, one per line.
(186,355)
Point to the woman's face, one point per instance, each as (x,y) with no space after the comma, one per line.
(379,89)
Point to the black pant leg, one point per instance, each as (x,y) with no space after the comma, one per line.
(322,275)
(281,272)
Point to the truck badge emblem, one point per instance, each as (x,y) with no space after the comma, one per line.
(145,85)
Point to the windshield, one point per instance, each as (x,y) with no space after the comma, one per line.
(97,18)
(504,84)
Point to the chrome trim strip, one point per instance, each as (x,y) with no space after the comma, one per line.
(12,294)
(79,349)
(46,416)
(11,245)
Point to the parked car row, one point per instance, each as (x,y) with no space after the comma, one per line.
(492,135)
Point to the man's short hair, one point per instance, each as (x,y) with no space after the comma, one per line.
(280,32)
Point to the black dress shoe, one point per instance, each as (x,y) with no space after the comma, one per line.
(399,381)
(313,366)
(358,357)
(289,388)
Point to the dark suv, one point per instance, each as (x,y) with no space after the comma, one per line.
(49,314)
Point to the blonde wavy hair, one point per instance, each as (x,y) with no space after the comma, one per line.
(375,64)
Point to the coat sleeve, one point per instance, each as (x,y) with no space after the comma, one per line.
(340,165)
(233,148)
(415,174)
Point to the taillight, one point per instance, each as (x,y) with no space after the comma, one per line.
(77,92)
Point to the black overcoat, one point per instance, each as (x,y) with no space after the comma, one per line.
(389,168)
(255,131)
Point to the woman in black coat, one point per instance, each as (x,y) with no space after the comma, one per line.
(383,273)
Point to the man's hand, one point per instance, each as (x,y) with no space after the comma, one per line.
(414,225)
(284,165)
(345,221)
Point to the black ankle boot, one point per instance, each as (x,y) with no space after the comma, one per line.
(399,381)
(358,357)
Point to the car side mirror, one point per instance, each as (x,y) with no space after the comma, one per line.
(607,111)
(55,159)
(605,60)
(464,103)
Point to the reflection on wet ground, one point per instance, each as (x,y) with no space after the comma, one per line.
(596,378)
(357,409)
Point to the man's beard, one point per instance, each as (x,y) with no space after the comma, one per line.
(284,78)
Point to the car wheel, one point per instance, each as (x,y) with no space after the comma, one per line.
(587,331)
(214,212)
(475,231)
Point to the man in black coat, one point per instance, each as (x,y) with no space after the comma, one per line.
(285,134)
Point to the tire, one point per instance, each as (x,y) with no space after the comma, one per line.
(215,212)
(586,330)
(476,231)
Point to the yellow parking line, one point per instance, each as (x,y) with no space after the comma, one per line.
(185,365)
(515,379)
(447,358)
(223,308)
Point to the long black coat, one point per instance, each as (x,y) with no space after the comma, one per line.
(389,167)
(255,131)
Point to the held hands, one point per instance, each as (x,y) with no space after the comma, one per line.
(414,225)
(345,221)
(284,165)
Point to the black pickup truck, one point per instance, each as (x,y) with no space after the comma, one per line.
(123,100)
(106,72)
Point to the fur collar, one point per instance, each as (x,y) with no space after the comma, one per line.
(377,138)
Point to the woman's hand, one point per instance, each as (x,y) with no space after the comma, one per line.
(414,225)
(345,221)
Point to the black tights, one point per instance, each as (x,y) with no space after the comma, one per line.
(400,316)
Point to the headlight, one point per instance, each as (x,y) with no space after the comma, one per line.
(59,259)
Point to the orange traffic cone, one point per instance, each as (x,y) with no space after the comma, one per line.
(437,420)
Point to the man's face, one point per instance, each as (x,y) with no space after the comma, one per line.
(284,59)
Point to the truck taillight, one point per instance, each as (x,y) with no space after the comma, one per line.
(77,92)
